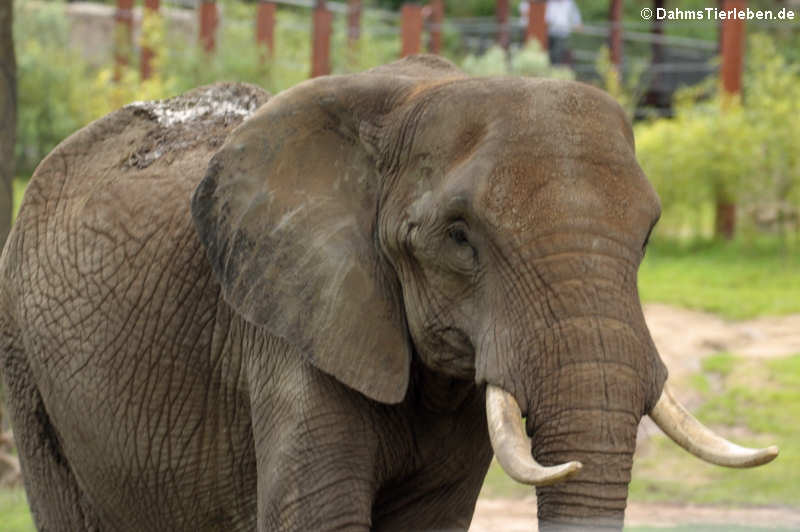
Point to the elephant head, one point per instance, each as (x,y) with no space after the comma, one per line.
(491,229)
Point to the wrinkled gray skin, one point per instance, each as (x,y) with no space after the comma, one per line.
(299,337)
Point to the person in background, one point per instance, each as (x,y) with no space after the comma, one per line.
(562,16)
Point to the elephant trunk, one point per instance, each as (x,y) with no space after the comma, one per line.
(582,429)
(595,493)
(594,499)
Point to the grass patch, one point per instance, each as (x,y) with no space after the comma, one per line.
(706,528)
(498,485)
(738,280)
(759,405)
(14,513)
(19,185)
(720,363)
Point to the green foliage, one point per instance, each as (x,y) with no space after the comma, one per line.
(453,8)
(530,61)
(498,484)
(237,58)
(14,512)
(747,152)
(734,279)
(626,89)
(493,62)
(719,363)
(59,92)
(48,106)
(533,61)
(759,402)
(696,527)
(772,102)
(18,185)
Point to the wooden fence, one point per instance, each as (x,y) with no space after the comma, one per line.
(415,20)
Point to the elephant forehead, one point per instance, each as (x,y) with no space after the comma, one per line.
(565,155)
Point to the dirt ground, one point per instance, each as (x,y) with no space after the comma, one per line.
(684,338)
(519,515)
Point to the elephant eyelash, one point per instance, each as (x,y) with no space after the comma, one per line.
(458,235)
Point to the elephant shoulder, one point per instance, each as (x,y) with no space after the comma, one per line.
(120,188)
(135,167)
(142,145)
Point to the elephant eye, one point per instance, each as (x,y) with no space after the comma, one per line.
(458,235)
(463,256)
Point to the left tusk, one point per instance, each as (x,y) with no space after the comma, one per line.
(513,448)
(685,430)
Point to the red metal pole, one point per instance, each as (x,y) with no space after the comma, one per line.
(208,24)
(732,42)
(437,20)
(411,29)
(123,41)
(537,25)
(321,44)
(732,48)
(503,35)
(265,26)
(146,62)
(615,32)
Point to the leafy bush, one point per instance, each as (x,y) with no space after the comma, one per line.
(454,8)
(745,151)
(626,89)
(48,109)
(59,92)
(530,61)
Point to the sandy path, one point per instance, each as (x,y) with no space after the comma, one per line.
(510,515)
(684,338)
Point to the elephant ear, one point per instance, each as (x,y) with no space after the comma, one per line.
(287,211)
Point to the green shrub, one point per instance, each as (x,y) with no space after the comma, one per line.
(59,92)
(47,72)
(530,61)
(626,89)
(745,151)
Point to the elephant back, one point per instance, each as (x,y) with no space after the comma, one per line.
(113,200)
(154,141)
(133,169)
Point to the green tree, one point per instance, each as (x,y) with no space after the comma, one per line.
(9,465)
(8,115)
(743,151)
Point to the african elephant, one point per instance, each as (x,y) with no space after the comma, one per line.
(330,315)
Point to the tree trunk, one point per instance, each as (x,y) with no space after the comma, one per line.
(8,116)
(725,219)
(9,466)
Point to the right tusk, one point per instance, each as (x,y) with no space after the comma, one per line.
(513,448)
(685,430)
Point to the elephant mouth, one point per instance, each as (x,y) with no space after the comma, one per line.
(512,447)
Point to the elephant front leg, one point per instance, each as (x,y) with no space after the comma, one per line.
(451,455)
(315,455)
(301,489)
